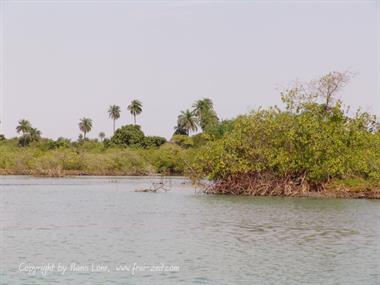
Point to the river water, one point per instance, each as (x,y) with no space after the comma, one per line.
(97,230)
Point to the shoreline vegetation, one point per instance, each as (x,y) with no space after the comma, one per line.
(314,146)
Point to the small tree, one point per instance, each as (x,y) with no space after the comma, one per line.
(129,135)
(35,134)
(102,135)
(153,141)
(322,91)
(327,87)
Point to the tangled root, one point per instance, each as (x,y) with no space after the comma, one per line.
(263,184)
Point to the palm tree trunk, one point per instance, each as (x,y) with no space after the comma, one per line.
(134,116)
(113,126)
(22,139)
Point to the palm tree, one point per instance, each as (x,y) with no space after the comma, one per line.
(35,134)
(203,105)
(178,130)
(203,109)
(135,108)
(85,125)
(186,122)
(114,114)
(29,134)
(102,135)
(24,126)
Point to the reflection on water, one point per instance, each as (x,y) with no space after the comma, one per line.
(100,221)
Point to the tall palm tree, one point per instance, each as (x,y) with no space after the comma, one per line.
(186,122)
(203,109)
(135,108)
(85,125)
(24,126)
(102,135)
(114,114)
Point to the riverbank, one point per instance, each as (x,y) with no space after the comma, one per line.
(57,173)
(343,188)
(266,184)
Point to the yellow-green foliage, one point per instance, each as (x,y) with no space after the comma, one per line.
(123,162)
(183,141)
(168,159)
(322,144)
(91,158)
(186,141)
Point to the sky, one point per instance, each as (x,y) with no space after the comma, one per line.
(64,60)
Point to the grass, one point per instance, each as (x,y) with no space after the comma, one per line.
(91,159)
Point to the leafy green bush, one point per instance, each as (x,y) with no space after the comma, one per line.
(218,130)
(182,140)
(129,135)
(47,144)
(313,141)
(90,158)
(168,159)
(200,139)
(120,162)
(153,141)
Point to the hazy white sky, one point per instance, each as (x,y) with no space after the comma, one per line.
(63,60)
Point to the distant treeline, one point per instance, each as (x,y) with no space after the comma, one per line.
(201,116)
(127,152)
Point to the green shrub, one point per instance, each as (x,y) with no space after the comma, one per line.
(200,139)
(153,141)
(182,140)
(168,159)
(72,160)
(217,131)
(121,162)
(129,135)
(312,141)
